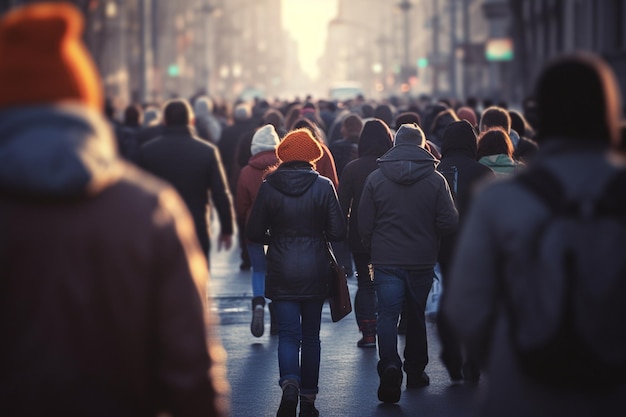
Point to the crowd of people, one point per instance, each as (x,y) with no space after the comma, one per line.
(105,244)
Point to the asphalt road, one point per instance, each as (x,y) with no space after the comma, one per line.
(348,379)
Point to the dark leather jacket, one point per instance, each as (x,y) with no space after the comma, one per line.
(294,210)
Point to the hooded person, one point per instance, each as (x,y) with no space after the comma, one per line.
(577,134)
(296,213)
(465,175)
(404,210)
(263,150)
(374,141)
(93,249)
(207,125)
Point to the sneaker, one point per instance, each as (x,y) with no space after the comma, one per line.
(367,342)
(258,326)
(307,409)
(417,381)
(389,390)
(289,401)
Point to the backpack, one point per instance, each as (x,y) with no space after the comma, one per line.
(568,310)
(452,176)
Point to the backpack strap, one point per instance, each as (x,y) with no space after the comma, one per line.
(545,186)
(613,199)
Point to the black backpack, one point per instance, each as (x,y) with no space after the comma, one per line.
(568,307)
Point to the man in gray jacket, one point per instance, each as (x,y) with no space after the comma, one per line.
(405,208)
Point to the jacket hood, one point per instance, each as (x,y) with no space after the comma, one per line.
(406,163)
(459,138)
(263,160)
(56,151)
(293,178)
(375,139)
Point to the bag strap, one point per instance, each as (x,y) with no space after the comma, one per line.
(331,252)
(545,186)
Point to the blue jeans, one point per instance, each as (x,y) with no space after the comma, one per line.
(393,285)
(299,342)
(257,260)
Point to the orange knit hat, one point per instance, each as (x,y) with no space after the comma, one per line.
(299,145)
(43,59)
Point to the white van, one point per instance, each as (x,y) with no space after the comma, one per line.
(345,91)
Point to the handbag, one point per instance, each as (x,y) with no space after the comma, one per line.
(339,300)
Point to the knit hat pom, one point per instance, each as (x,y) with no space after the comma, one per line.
(43,59)
(299,145)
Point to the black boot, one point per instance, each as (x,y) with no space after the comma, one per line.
(257,326)
(307,406)
(289,401)
(273,324)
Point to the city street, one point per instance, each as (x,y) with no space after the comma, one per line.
(348,379)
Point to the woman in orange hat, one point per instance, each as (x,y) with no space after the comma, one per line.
(295,211)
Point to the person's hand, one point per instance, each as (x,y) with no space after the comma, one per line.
(224,242)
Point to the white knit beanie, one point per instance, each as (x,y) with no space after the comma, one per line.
(264,139)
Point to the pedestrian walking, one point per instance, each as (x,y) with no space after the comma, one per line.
(465,175)
(104,304)
(496,259)
(405,208)
(296,211)
(496,116)
(263,149)
(495,151)
(346,149)
(374,141)
(193,166)
(206,123)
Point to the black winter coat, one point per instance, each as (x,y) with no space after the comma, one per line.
(194,168)
(371,147)
(464,173)
(294,210)
(458,154)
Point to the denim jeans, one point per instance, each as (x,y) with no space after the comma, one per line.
(299,342)
(365,298)
(393,285)
(257,260)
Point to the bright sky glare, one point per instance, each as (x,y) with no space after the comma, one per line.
(307,21)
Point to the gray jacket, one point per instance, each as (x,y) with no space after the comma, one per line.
(497,230)
(405,208)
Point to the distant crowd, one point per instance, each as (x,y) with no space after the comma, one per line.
(104,237)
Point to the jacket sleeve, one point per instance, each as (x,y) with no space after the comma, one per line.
(447,217)
(190,360)
(259,220)
(367,212)
(470,304)
(346,193)
(221,195)
(336,224)
(243,199)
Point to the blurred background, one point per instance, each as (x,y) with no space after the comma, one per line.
(150,50)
